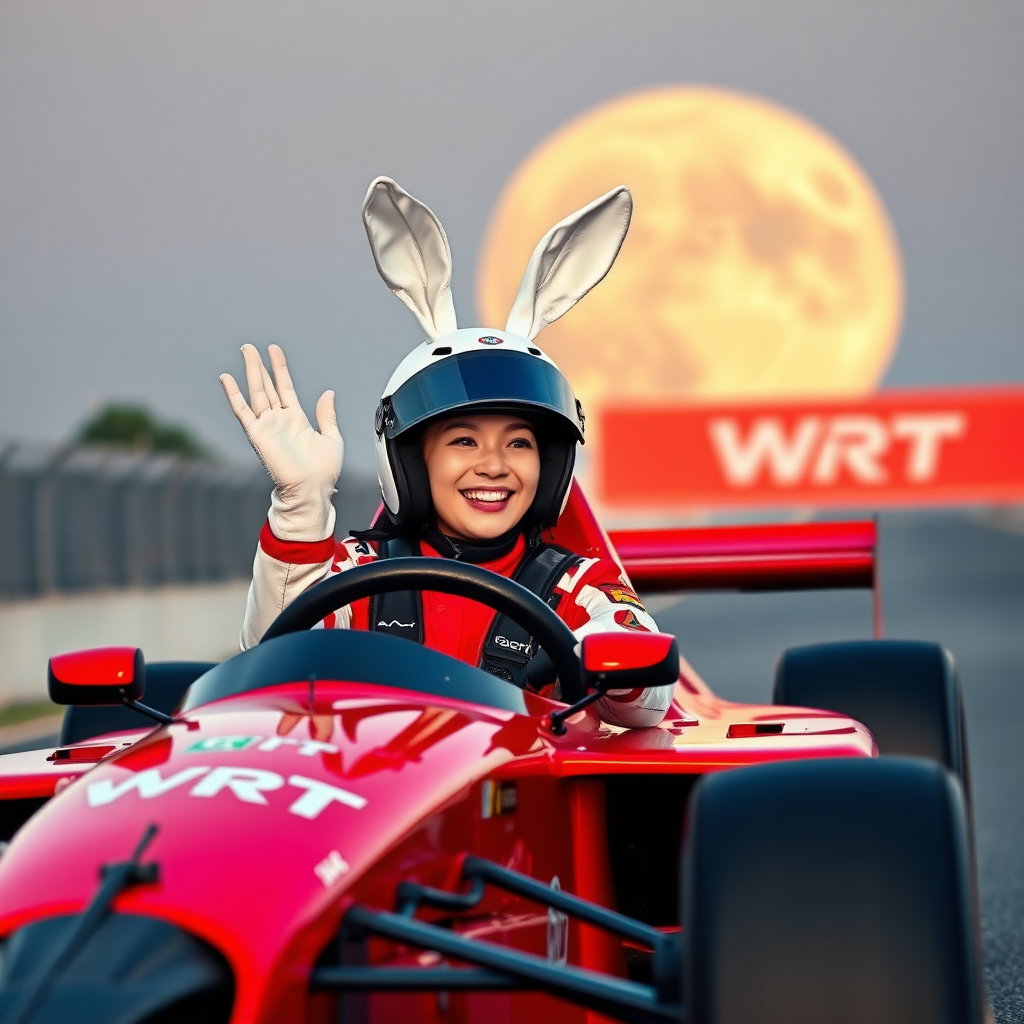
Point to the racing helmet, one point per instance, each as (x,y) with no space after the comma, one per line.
(482,369)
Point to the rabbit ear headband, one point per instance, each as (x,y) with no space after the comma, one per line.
(412,255)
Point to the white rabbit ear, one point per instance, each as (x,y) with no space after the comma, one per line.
(570,259)
(412,255)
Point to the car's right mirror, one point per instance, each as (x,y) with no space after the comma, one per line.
(623,661)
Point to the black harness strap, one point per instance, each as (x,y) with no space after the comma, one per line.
(399,613)
(508,647)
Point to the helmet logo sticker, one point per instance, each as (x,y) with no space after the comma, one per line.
(490,339)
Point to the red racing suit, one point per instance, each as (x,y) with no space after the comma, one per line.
(593,597)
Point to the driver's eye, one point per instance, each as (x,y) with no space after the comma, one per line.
(521,442)
(465,442)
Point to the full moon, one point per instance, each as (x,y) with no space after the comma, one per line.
(760,261)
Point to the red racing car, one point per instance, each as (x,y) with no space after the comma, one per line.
(345,826)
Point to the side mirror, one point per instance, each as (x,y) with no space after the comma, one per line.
(623,661)
(101,676)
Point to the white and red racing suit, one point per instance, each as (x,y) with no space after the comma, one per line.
(593,597)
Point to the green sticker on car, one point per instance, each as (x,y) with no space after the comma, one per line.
(217,744)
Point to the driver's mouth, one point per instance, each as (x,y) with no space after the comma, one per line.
(488,499)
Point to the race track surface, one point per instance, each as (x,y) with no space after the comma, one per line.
(944,578)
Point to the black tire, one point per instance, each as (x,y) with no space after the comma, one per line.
(905,692)
(836,890)
(166,683)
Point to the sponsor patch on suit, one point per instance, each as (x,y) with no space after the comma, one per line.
(619,593)
(627,620)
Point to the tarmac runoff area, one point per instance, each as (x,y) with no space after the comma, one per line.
(946,578)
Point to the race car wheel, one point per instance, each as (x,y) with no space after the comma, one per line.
(836,890)
(444,576)
(905,692)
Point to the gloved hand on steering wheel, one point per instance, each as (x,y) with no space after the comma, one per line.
(303,463)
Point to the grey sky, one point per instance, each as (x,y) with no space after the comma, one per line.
(180,176)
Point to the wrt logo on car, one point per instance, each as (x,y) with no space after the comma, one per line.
(249,785)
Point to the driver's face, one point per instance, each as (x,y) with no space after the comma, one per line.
(483,474)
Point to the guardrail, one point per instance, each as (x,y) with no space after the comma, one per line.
(84,518)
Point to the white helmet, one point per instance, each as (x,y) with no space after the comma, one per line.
(482,369)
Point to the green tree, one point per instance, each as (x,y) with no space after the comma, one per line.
(133,426)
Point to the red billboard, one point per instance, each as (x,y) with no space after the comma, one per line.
(962,445)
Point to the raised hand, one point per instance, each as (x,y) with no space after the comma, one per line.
(303,463)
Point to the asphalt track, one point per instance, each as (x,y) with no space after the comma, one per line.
(944,578)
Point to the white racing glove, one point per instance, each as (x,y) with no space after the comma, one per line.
(303,463)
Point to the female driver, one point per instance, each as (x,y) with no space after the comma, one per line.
(476,436)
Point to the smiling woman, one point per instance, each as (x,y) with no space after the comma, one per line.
(483,473)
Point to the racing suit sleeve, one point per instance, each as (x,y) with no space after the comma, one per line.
(284,569)
(597,599)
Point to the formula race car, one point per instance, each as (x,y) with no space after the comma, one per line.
(346,826)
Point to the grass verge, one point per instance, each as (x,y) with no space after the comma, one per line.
(26,711)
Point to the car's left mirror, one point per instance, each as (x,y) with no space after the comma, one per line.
(624,660)
(103,675)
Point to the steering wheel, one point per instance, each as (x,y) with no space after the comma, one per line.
(445,576)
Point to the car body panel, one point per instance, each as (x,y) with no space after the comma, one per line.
(279,807)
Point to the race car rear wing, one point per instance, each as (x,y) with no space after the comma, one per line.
(789,556)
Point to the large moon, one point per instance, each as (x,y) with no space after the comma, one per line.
(760,261)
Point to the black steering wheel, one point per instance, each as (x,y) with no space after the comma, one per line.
(445,576)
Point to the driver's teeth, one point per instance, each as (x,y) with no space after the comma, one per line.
(486,495)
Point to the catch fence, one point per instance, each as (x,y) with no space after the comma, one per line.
(86,518)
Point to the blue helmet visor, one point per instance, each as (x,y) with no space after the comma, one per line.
(486,381)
